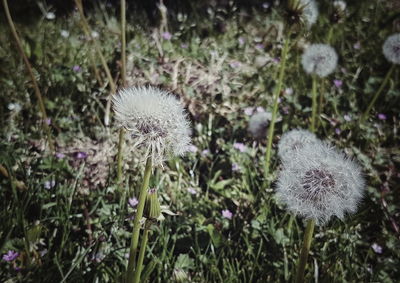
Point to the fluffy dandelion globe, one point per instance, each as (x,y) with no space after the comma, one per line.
(320,183)
(155,120)
(319,59)
(309,12)
(258,124)
(293,141)
(391,48)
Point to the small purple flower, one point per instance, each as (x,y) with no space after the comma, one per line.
(60,155)
(81,155)
(260,109)
(241,40)
(289,91)
(377,248)
(276,60)
(382,116)
(259,46)
(357,45)
(337,131)
(49,184)
(192,148)
(248,111)
(47,121)
(192,191)
(235,167)
(266,5)
(166,35)
(239,146)
(338,83)
(133,202)
(10,255)
(76,68)
(347,117)
(184,45)
(227,214)
(234,64)
(205,152)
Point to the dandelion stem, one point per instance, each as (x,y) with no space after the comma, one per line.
(275,108)
(301,266)
(123,42)
(371,104)
(30,71)
(143,244)
(314,103)
(136,222)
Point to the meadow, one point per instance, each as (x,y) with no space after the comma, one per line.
(66,212)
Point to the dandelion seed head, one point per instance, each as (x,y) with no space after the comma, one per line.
(155,120)
(293,141)
(319,59)
(391,48)
(319,183)
(309,12)
(258,124)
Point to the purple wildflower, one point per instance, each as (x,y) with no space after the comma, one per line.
(184,45)
(239,146)
(166,35)
(377,248)
(382,116)
(337,131)
(241,40)
(205,152)
(276,60)
(347,118)
(133,202)
(235,167)
(357,45)
(60,155)
(10,255)
(259,46)
(76,68)
(338,83)
(81,155)
(192,191)
(227,214)
(49,184)
(260,109)
(248,111)
(289,91)
(192,148)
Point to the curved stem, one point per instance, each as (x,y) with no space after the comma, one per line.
(301,266)
(371,104)
(136,222)
(30,71)
(314,103)
(143,244)
(275,108)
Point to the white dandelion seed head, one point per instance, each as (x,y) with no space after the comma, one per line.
(340,5)
(319,59)
(391,48)
(293,141)
(309,12)
(319,183)
(155,120)
(258,124)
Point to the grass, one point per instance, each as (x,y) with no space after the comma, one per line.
(79,229)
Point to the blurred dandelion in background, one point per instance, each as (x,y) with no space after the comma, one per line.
(294,140)
(319,59)
(391,48)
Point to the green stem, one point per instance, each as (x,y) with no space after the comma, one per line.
(119,155)
(314,103)
(275,108)
(371,104)
(30,71)
(136,222)
(123,42)
(301,266)
(143,244)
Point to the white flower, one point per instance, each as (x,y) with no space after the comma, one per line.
(258,124)
(309,11)
(155,120)
(319,183)
(391,48)
(293,141)
(319,59)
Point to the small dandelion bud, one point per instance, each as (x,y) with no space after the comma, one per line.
(152,209)
(391,48)
(293,141)
(319,59)
(319,183)
(258,124)
(155,120)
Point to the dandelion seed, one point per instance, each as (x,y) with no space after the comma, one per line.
(391,48)
(227,214)
(319,183)
(319,59)
(258,124)
(10,256)
(155,120)
(291,142)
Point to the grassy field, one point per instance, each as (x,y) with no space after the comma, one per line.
(67,218)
